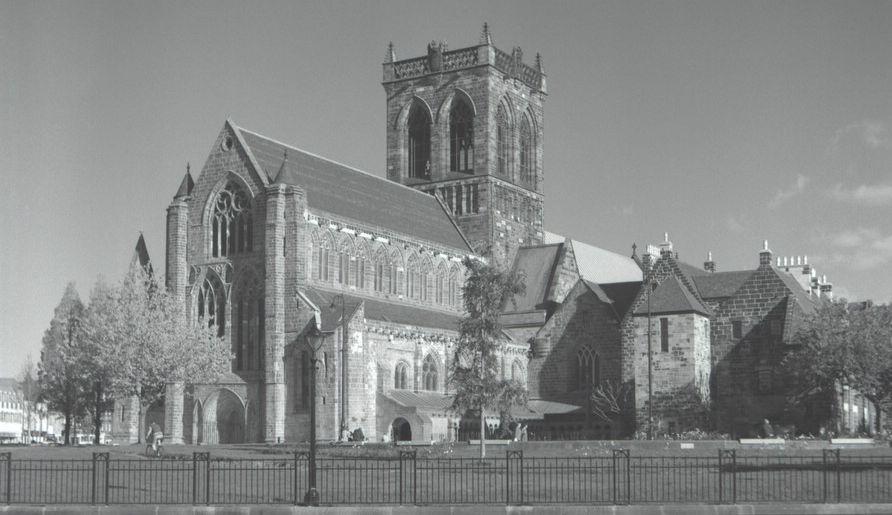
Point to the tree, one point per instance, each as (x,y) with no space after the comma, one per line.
(474,367)
(841,346)
(61,384)
(98,346)
(141,341)
(30,390)
(611,400)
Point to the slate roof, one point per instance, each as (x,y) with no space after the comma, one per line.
(721,284)
(537,264)
(622,294)
(806,302)
(599,265)
(440,402)
(376,309)
(671,297)
(355,195)
(691,270)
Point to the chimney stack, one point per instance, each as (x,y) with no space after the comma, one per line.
(666,246)
(709,264)
(765,255)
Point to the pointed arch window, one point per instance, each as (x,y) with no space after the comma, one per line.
(248,317)
(588,368)
(429,373)
(399,376)
(527,170)
(502,141)
(516,371)
(212,304)
(461,138)
(231,228)
(419,143)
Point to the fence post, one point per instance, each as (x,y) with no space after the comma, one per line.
(93,479)
(838,477)
(406,455)
(6,457)
(824,475)
(104,458)
(721,483)
(726,455)
(624,453)
(509,455)
(207,480)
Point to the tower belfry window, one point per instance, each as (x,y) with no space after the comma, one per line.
(419,143)
(502,141)
(527,171)
(461,138)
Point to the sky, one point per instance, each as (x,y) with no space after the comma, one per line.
(721,123)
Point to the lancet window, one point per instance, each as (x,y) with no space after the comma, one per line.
(399,376)
(461,137)
(588,368)
(419,143)
(212,304)
(231,228)
(502,140)
(249,326)
(527,170)
(429,373)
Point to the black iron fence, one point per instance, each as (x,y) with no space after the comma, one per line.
(511,479)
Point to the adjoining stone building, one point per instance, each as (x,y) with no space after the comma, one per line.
(274,246)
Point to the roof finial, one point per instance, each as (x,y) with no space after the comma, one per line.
(391,55)
(765,245)
(188,167)
(665,237)
(709,256)
(634,249)
(539,62)
(485,37)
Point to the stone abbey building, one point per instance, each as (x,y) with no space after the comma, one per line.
(277,247)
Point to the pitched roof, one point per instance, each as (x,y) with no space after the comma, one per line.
(355,195)
(806,302)
(537,264)
(423,400)
(689,269)
(186,186)
(622,294)
(671,297)
(597,264)
(721,284)
(375,309)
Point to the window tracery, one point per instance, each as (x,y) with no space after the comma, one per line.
(461,137)
(588,368)
(231,228)
(527,170)
(212,304)
(502,141)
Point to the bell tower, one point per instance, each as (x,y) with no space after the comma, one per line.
(467,125)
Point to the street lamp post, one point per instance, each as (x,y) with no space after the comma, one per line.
(314,341)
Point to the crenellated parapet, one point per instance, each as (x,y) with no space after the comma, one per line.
(439,60)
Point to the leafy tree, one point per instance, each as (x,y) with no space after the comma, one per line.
(842,346)
(141,341)
(474,367)
(98,345)
(61,383)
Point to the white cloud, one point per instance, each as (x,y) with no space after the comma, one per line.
(789,192)
(870,133)
(734,225)
(862,248)
(871,195)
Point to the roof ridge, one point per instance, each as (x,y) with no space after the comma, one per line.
(384,179)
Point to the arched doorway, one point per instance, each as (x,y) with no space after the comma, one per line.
(155,413)
(197,424)
(224,418)
(402,431)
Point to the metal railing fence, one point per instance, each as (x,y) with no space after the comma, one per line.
(406,479)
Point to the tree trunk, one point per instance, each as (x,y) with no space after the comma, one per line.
(97,414)
(482,433)
(67,429)
(140,424)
